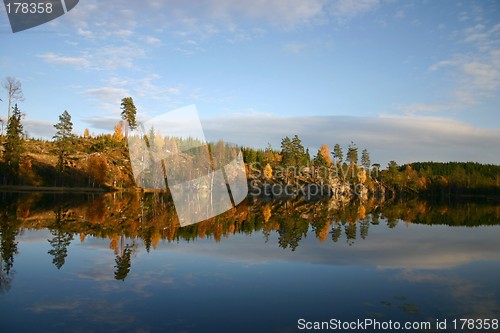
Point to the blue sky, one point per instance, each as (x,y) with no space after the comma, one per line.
(407,80)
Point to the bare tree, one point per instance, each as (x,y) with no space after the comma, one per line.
(14,92)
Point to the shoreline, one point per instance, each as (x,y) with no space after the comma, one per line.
(52,189)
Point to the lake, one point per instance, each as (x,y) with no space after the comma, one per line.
(121,263)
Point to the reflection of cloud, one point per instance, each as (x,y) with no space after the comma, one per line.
(470,296)
(101,273)
(55,306)
(86,311)
(413,247)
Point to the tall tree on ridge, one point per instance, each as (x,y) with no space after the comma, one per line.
(365,159)
(14,143)
(352,153)
(129,112)
(337,153)
(63,137)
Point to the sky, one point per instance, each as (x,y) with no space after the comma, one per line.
(407,80)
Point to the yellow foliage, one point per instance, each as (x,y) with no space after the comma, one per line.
(118,134)
(268,171)
(155,240)
(267,213)
(361,212)
(86,133)
(362,176)
(113,245)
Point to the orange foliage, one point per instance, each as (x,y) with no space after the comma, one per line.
(118,134)
(324,150)
(323,233)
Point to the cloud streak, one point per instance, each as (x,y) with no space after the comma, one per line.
(403,139)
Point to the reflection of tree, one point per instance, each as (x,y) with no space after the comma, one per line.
(61,240)
(60,244)
(9,228)
(336,231)
(123,264)
(122,260)
(151,217)
(350,232)
(291,231)
(364,226)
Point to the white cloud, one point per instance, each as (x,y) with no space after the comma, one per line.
(294,48)
(147,88)
(404,139)
(108,98)
(485,76)
(476,72)
(106,58)
(107,94)
(151,40)
(351,8)
(50,57)
(39,128)
(418,108)
(98,19)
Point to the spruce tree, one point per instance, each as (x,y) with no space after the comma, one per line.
(14,143)
(365,159)
(63,138)
(352,153)
(337,153)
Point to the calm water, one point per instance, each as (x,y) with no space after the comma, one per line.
(121,263)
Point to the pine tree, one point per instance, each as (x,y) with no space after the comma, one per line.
(352,153)
(269,156)
(319,160)
(63,137)
(129,112)
(286,151)
(365,159)
(338,155)
(299,155)
(14,143)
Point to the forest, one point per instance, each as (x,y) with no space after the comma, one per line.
(101,162)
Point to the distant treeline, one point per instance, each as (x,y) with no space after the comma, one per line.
(444,179)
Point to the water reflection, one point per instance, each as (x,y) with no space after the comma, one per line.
(127,219)
(121,261)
